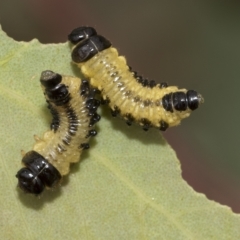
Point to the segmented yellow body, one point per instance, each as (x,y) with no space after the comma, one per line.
(52,146)
(110,73)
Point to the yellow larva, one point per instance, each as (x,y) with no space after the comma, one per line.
(136,99)
(73,106)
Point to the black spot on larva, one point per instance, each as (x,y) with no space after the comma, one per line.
(146,124)
(92,105)
(71,130)
(136,99)
(139,79)
(163,85)
(167,102)
(84,87)
(158,103)
(37,174)
(143,81)
(56,119)
(115,111)
(88,48)
(193,99)
(66,141)
(152,83)
(60,148)
(84,146)
(113,74)
(94,119)
(72,121)
(120,85)
(91,133)
(81,33)
(128,93)
(163,125)
(147,103)
(129,119)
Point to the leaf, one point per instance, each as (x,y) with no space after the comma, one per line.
(127,186)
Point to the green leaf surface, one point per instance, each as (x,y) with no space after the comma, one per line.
(127,186)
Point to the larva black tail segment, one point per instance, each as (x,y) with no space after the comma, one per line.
(181,101)
(74,108)
(128,94)
(37,174)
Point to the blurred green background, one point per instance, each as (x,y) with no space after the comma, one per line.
(192,44)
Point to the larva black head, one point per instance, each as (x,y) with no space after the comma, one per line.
(88,48)
(37,174)
(56,92)
(180,101)
(81,33)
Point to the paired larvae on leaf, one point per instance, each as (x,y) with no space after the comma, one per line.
(73,107)
(135,98)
